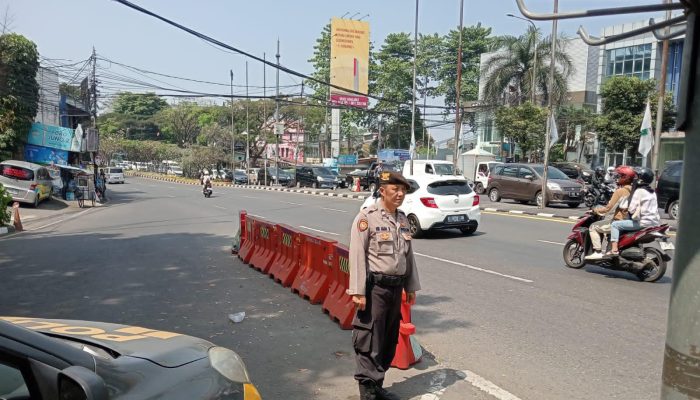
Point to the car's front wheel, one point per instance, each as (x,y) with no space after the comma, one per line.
(673,210)
(414,226)
(539,199)
(494,195)
(479,188)
(372,187)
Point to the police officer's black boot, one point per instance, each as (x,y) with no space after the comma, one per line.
(368,391)
(383,394)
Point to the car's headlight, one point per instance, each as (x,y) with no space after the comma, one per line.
(553,186)
(229,364)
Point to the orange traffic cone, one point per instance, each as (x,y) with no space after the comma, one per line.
(17,222)
(408,350)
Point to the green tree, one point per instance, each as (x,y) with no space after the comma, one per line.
(476,40)
(524,125)
(5,200)
(568,118)
(138,105)
(180,123)
(509,71)
(19,90)
(624,101)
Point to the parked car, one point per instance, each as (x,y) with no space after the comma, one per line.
(174,170)
(340,179)
(66,359)
(368,177)
(579,172)
(668,188)
(26,182)
(315,177)
(285,178)
(523,182)
(114,175)
(239,177)
(438,202)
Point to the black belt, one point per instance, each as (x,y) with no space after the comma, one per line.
(386,280)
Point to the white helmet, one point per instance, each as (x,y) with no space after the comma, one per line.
(611,170)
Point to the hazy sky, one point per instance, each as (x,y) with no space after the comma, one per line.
(68,29)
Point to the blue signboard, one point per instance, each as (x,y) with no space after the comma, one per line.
(347,159)
(45,155)
(55,137)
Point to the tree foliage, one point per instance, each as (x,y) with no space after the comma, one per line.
(509,72)
(19,90)
(524,125)
(624,101)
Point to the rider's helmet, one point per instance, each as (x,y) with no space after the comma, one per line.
(625,174)
(599,172)
(645,175)
(611,170)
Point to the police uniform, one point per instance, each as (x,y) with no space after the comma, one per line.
(382,265)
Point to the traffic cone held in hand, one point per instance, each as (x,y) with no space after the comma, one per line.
(408,350)
(15,216)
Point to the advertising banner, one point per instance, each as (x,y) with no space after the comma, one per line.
(349,61)
(45,155)
(55,137)
(347,159)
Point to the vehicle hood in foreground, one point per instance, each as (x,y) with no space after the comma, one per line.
(167,349)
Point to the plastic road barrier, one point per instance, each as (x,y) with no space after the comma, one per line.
(338,304)
(265,249)
(315,271)
(248,243)
(286,265)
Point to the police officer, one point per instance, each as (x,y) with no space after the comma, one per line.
(381,267)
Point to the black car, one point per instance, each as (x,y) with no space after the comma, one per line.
(579,172)
(285,178)
(238,177)
(340,179)
(315,177)
(668,188)
(65,359)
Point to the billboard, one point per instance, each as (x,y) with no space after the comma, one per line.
(55,137)
(349,61)
(45,155)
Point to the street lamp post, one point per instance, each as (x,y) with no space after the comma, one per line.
(534,58)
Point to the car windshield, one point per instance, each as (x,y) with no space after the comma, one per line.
(14,172)
(552,173)
(239,173)
(322,171)
(115,171)
(445,188)
(444,169)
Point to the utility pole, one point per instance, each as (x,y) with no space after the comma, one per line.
(379,135)
(425,98)
(550,100)
(662,93)
(233,139)
(94,113)
(458,122)
(247,133)
(299,127)
(265,117)
(277,117)
(398,127)
(413,105)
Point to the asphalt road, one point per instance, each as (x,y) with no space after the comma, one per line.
(499,315)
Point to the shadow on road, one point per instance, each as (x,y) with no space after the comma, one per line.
(435,381)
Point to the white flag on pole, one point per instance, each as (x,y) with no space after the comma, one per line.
(646,137)
(553,132)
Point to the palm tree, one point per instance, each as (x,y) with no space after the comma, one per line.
(509,71)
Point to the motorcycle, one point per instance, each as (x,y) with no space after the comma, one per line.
(646,262)
(207,191)
(597,194)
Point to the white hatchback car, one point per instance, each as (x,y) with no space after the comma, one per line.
(439,202)
(114,175)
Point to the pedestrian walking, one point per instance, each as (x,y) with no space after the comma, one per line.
(382,266)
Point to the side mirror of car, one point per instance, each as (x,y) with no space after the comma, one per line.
(530,177)
(79,383)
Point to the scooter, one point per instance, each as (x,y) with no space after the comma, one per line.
(597,194)
(207,191)
(647,263)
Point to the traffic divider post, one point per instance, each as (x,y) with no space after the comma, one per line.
(248,246)
(316,265)
(265,246)
(338,304)
(285,267)
(408,350)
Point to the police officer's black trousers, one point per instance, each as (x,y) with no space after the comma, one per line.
(376,333)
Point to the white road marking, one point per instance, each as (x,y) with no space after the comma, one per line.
(27,217)
(171,187)
(437,386)
(490,209)
(318,230)
(59,221)
(516,212)
(574,218)
(220,208)
(333,209)
(488,271)
(171,196)
(487,386)
(294,204)
(545,215)
(250,197)
(547,241)
(256,216)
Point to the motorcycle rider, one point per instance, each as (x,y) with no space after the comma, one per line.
(643,209)
(610,175)
(616,205)
(206,182)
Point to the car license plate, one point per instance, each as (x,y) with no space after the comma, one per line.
(574,194)
(455,218)
(666,246)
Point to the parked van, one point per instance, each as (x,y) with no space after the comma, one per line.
(114,175)
(26,182)
(429,167)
